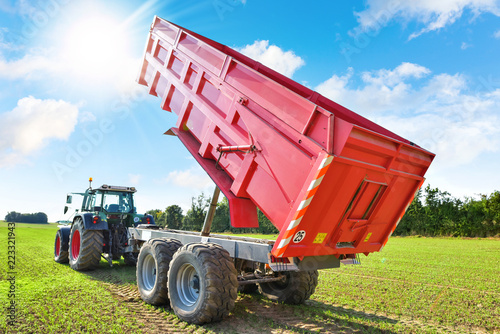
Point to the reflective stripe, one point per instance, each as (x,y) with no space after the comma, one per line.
(284,242)
(301,210)
(294,223)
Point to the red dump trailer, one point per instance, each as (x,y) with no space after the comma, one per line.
(334,183)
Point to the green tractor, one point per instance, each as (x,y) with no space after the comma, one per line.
(99,228)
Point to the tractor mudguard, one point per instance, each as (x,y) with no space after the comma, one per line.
(88,222)
(144,220)
(65,232)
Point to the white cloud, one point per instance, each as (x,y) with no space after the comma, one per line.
(134,178)
(6,7)
(438,112)
(31,66)
(67,72)
(284,62)
(396,76)
(497,34)
(86,116)
(31,125)
(194,177)
(434,15)
(465,46)
(383,89)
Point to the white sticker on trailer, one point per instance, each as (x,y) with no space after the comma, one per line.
(146,235)
(299,236)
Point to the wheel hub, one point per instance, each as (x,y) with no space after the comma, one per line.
(149,273)
(188,285)
(195,284)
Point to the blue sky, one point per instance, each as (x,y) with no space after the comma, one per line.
(70,108)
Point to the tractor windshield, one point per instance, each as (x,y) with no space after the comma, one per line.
(115,202)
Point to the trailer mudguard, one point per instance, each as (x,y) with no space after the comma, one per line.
(65,232)
(88,222)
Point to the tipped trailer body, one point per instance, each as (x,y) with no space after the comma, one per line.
(330,180)
(334,183)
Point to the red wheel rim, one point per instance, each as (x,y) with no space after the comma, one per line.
(75,245)
(58,245)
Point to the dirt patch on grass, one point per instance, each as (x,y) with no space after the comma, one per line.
(150,319)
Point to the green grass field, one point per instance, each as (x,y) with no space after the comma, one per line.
(415,285)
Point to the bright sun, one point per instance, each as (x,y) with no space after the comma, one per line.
(95,48)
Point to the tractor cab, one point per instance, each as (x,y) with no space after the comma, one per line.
(111,199)
(113,204)
(102,220)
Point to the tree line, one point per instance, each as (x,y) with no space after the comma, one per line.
(436,213)
(194,218)
(16,217)
(432,213)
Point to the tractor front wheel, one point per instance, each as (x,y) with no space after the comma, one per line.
(60,255)
(296,287)
(202,283)
(85,247)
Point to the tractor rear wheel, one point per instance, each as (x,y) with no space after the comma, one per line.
(152,268)
(60,255)
(295,289)
(130,259)
(85,247)
(202,283)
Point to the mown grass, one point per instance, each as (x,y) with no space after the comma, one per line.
(450,282)
(413,285)
(52,298)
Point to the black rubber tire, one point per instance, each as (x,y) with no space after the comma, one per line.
(202,283)
(130,259)
(88,255)
(296,289)
(248,288)
(60,255)
(155,255)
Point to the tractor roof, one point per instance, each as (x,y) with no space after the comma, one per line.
(106,187)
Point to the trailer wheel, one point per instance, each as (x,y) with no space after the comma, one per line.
(202,283)
(60,255)
(297,287)
(152,269)
(130,259)
(85,247)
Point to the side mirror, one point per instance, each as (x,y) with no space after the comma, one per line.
(65,209)
(69,199)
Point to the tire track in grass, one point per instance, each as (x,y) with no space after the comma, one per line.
(297,319)
(410,325)
(285,316)
(421,283)
(152,320)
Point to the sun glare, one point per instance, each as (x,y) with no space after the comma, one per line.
(95,48)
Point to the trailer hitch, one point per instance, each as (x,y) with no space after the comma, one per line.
(262,280)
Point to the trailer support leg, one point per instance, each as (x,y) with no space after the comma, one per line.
(210,213)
